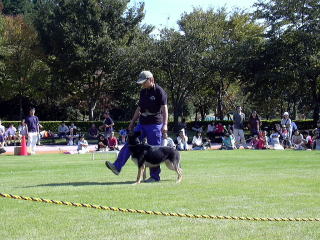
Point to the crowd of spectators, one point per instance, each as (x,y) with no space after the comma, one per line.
(284,135)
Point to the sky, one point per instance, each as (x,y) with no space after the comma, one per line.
(166,13)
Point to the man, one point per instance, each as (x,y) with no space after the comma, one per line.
(63,130)
(11,134)
(238,124)
(107,125)
(93,132)
(33,126)
(152,112)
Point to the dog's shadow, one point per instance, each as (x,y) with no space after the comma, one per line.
(79,184)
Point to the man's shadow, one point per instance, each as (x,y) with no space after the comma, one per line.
(79,184)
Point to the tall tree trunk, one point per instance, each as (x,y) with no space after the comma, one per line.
(220,104)
(92,107)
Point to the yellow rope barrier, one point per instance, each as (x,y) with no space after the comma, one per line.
(115,209)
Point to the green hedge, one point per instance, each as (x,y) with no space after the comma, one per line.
(84,126)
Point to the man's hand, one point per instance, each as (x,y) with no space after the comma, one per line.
(164,128)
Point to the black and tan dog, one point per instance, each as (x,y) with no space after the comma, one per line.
(145,155)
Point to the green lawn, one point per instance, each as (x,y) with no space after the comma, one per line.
(237,183)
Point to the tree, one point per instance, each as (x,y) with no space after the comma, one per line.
(223,40)
(16,7)
(83,38)
(294,26)
(22,61)
(180,69)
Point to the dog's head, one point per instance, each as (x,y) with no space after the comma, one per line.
(133,138)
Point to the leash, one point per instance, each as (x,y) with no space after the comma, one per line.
(127,210)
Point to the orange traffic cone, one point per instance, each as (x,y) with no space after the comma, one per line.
(23,151)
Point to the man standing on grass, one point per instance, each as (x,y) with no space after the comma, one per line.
(238,125)
(33,129)
(152,112)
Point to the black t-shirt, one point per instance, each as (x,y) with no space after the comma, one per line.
(150,104)
(108,121)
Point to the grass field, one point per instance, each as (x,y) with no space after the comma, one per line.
(237,183)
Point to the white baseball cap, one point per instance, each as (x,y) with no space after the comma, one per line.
(285,114)
(144,76)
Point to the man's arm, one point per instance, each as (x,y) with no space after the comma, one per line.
(136,115)
(164,110)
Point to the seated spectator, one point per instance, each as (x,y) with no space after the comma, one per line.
(182,140)
(123,136)
(197,143)
(219,129)
(308,139)
(22,129)
(102,143)
(72,126)
(11,135)
(93,132)
(275,141)
(113,142)
(285,137)
(211,131)
(63,130)
(263,140)
(167,141)
(82,145)
(254,142)
(197,127)
(298,141)
(316,140)
(228,142)
(182,126)
(72,136)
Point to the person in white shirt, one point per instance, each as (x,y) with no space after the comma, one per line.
(22,129)
(82,145)
(63,130)
(182,140)
(197,143)
(275,141)
(167,141)
(11,134)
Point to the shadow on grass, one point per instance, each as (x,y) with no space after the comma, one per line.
(79,184)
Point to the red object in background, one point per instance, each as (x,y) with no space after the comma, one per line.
(23,151)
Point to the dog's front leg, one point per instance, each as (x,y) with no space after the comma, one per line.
(144,173)
(140,173)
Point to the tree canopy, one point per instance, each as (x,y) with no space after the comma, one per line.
(76,58)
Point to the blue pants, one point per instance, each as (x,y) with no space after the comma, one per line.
(153,134)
